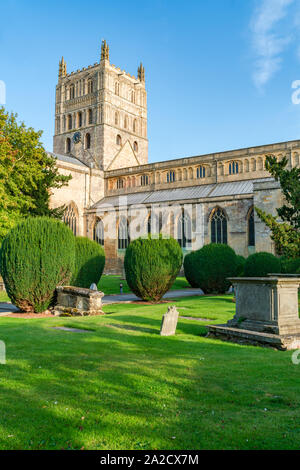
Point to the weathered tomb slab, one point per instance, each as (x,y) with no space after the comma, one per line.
(72,330)
(77,301)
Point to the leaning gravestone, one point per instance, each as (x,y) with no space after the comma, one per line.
(169,322)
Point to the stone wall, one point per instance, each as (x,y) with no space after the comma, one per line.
(84,189)
(236,209)
(267,197)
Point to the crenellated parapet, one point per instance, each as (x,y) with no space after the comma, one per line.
(232,166)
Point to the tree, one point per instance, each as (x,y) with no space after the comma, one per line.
(151,266)
(285,233)
(89,262)
(27,174)
(37,256)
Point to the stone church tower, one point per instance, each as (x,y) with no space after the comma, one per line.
(101,115)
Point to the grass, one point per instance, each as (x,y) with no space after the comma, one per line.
(4,297)
(111,284)
(119,385)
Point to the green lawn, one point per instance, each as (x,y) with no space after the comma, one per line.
(122,386)
(111,284)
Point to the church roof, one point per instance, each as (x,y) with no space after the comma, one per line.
(234,188)
(67,159)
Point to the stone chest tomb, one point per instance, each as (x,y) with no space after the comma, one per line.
(267,312)
(77,301)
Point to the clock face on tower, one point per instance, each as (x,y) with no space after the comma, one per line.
(76,137)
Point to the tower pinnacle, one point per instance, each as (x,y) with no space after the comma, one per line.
(141,73)
(104,51)
(62,68)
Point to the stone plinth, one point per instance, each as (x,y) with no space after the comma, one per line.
(266,312)
(76,301)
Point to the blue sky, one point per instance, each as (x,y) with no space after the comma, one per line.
(219,73)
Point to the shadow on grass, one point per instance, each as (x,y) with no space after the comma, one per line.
(132,328)
(133,390)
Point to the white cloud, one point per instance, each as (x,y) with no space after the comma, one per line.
(267,43)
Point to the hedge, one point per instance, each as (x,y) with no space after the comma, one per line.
(209,268)
(261,264)
(89,262)
(290,266)
(151,266)
(36,256)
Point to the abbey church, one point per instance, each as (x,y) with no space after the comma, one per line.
(115,195)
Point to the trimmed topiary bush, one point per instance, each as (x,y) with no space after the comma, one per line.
(151,266)
(261,264)
(188,265)
(211,266)
(37,256)
(240,265)
(89,262)
(290,266)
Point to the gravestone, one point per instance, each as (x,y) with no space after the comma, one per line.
(169,322)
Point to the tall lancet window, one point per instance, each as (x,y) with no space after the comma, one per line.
(251,228)
(123,234)
(99,232)
(70,218)
(218,225)
(184,230)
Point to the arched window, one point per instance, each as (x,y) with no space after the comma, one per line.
(120,183)
(72,92)
(68,145)
(135,146)
(69,122)
(171,177)
(90,116)
(155,223)
(125,122)
(201,172)
(149,222)
(88,141)
(233,168)
(160,222)
(99,232)
(184,230)
(218,226)
(116,118)
(90,86)
(79,119)
(70,218)
(251,228)
(134,126)
(123,234)
(132,97)
(117,88)
(144,180)
(119,140)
